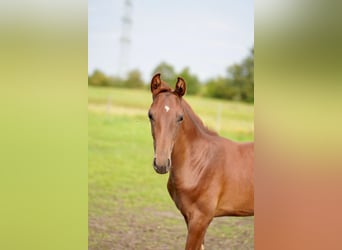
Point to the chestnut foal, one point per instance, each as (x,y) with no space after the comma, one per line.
(209,176)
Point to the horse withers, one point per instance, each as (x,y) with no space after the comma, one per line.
(209,176)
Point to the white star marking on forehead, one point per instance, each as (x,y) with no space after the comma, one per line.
(167,108)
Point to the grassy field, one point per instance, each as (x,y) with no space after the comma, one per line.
(129,206)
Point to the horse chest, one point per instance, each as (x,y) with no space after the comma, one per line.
(182,191)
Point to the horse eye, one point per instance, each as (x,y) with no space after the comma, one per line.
(180,118)
(150,116)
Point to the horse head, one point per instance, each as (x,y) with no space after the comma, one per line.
(166,116)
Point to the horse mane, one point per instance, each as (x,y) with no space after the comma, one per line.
(197,121)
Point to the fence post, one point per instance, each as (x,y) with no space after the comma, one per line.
(218,117)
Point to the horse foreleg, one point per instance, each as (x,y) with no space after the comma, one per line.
(197,227)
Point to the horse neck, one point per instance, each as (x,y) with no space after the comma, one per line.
(187,156)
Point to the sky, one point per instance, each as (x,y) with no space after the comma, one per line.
(206,36)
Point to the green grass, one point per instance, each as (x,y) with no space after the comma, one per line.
(121,180)
(120,162)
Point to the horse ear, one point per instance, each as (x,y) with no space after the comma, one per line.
(180,87)
(155,83)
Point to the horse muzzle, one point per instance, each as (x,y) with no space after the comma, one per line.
(162,167)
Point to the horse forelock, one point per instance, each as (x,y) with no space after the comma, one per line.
(162,88)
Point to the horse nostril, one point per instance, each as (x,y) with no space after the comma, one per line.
(163,168)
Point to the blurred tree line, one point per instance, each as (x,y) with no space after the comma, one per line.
(238,84)
(133,80)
